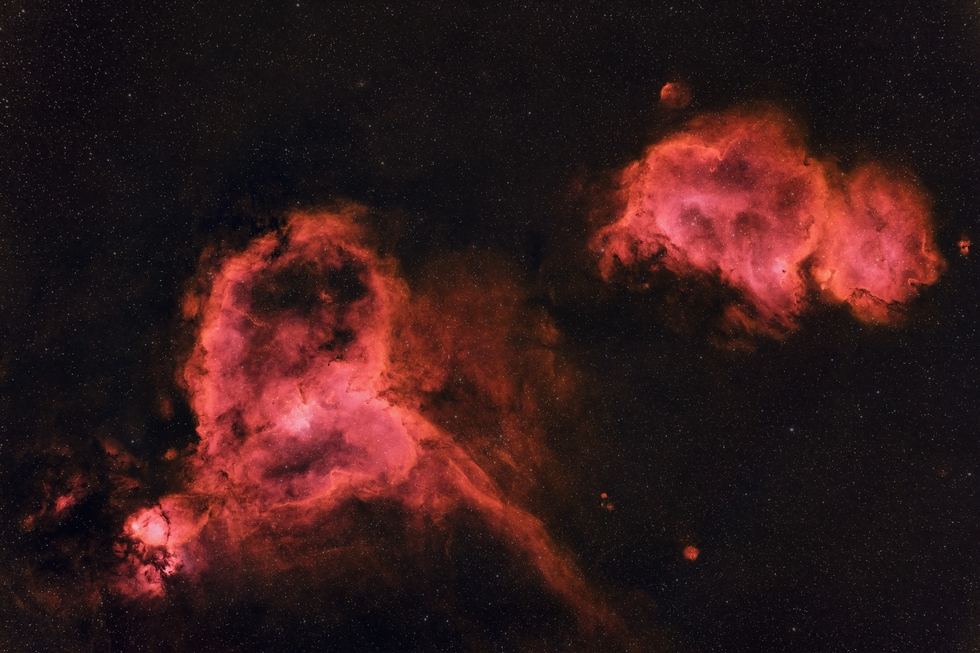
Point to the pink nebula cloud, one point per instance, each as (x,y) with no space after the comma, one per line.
(305,403)
(737,195)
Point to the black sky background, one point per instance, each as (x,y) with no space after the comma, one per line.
(830,480)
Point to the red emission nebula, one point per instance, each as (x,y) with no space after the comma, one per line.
(301,408)
(737,196)
(318,380)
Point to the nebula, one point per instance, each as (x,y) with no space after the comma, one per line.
(675,95)
(737,196)
(308,380)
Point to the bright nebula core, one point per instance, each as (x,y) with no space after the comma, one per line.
(737,195)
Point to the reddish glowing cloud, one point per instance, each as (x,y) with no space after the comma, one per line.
(61,495)
(736,195)
(675,95)
(302,407)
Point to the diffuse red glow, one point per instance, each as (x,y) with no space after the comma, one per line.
(303,407)
(477,360)
(60,497)
(737,195)
(675,95)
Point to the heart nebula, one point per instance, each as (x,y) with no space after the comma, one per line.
(301,411)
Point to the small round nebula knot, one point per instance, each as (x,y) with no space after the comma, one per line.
(675,95)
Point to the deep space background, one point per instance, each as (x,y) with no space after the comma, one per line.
(829,479)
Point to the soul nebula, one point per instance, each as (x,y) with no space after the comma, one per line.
(292,382)
(737,196)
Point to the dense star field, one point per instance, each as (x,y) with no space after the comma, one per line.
(482,326)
